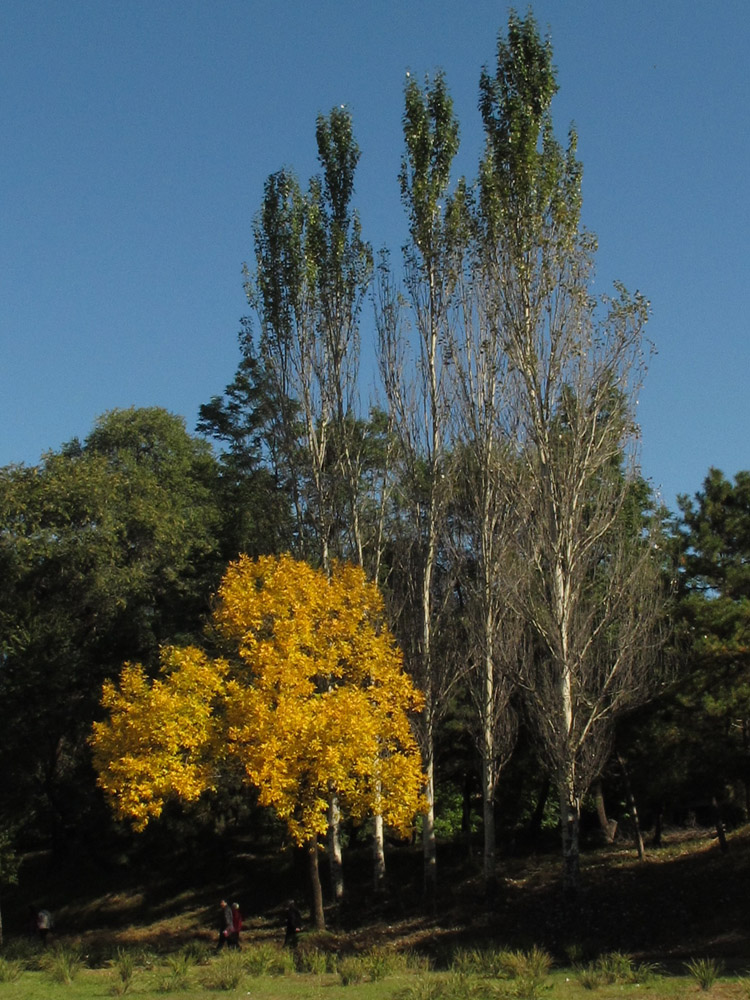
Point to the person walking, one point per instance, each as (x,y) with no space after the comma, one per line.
(293,924)
(43,925)
(236,926)
(226,925)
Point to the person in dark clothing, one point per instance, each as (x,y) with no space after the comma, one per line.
(293,924)
(226,925)
(40,923)
(43,925)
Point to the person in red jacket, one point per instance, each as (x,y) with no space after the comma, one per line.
(236,926)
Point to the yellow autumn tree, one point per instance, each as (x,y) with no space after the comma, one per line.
(163,738)
(311,701)
(319,703)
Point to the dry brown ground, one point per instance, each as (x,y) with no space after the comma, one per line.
(686,899)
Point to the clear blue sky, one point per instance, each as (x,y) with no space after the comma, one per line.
(136,137)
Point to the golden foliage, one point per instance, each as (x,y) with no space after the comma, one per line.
(161,738)
(315,703)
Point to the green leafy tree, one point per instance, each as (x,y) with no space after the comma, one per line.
(107,549)
(256,483)
(714,617)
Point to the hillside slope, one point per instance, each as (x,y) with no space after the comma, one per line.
(686,899)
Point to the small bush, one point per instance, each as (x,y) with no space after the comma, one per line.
(118,987)
(589,976)
(258,959)
(460,986)
(536,963)
(423,987)
(197,953)
(705,971)
(124,964)
(165,982)
(528,970)
(316,952)
(467,961)
(315,960)
(500,963)
(612,968)
(123,970)
(352,969)
(10,969)
(225,973)
(528,987)
(176,972)
(382,962)
(266,959)
(63,964)
(416,962)
(145,958)
(492,962)
(646,972)
(615,967)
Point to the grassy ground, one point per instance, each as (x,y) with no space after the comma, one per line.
(151,979)
(685,901)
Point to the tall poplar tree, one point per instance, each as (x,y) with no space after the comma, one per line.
(575,368)
(312,269)
(419,403)
(484,527)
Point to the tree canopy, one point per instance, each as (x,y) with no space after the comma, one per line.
(107,550)
(310,698)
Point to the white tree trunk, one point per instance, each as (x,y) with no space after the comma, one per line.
(488,771)
(334,850)
(378,851)
(428,832)
(570,813)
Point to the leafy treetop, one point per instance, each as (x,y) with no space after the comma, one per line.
(310,701)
